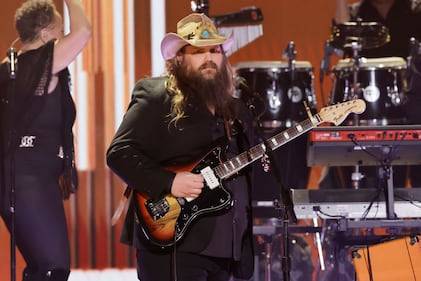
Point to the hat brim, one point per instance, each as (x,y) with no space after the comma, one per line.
(172,43)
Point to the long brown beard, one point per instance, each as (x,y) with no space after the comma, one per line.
(214,92)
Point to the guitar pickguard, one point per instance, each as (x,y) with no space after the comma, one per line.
(210,200)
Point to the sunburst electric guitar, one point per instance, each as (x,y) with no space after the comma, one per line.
(166,221)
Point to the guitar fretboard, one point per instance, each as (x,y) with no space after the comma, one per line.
(237,163)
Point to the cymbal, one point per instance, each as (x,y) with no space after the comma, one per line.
(367,34)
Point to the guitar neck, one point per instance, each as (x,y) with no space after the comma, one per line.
(234,165)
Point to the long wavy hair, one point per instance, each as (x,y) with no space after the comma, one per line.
(179,84)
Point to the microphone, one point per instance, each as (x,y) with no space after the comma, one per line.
(201,6)
(12,56)
(290,53)
(325,63)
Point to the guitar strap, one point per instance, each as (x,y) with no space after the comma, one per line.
(237,131)
(123,205)
(243,144)
(228,129)
(243,268)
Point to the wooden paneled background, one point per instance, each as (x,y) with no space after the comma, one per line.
(94,241)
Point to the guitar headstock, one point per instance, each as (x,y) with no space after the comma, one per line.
(337,113)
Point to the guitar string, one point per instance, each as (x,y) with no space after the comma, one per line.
(258,151)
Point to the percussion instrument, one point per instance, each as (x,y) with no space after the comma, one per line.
(277,92)
(366,34)
(381,82)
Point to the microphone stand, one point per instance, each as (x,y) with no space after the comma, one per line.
(324,68)
(290,53)
(413,73)
(286,209)
(12,56)
(329,50)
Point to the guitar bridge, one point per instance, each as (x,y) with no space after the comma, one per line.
(157,209)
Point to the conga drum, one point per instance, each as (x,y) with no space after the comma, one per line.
(277,94)
(381,82)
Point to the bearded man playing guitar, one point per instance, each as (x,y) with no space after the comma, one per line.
(171,123)
(182,148)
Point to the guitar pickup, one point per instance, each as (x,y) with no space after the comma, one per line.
(210,178)
(157,209)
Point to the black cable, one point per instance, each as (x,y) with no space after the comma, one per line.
(375,198)
(395,145)
(319,211)
(370,269)
(355,141)
(410,201)
(174,258)
(410,261)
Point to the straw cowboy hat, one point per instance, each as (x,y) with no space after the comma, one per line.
(197,30)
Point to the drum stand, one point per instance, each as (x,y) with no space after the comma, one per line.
(357,176)
(266,234)
(268,260)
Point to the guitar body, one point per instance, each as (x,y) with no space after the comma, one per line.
(165,221)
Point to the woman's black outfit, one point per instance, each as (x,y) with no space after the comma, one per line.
(215,244)
(36,149)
